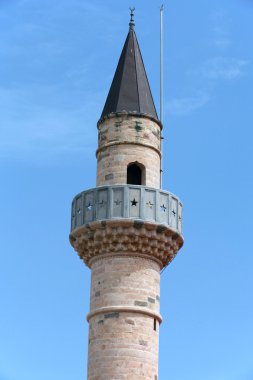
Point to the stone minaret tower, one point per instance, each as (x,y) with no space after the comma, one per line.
(126,230)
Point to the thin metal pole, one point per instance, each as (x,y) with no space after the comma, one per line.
(161,63)
(161,82)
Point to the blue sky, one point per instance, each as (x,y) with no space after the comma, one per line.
(57,60)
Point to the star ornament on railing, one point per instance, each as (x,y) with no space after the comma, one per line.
(134,202)
(102,203)
(89,206)
(150,204)
(163,208)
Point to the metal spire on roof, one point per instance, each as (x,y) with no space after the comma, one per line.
(132,24)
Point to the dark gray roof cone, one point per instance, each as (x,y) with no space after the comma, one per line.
(130,90)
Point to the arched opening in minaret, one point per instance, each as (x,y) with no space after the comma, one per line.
(136,174)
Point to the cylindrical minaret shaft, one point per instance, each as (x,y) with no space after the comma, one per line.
(124,318)
(124,313)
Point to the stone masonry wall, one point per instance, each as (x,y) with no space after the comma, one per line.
(124,332)
(126,139)
(123,346)
(125,281)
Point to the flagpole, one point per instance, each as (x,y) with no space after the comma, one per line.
(161,63)
(161,81)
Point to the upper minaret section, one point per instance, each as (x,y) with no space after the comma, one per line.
(130,90)
(129,131)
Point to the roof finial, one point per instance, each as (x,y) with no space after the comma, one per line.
(132,24)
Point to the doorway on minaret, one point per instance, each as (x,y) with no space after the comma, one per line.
(136,174)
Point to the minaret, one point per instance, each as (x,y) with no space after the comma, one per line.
(126,230)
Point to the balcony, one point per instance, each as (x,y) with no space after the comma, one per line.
(127,202)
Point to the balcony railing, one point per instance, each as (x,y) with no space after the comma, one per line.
(127,202)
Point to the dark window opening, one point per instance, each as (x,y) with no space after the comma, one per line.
(154,324)
(135,174)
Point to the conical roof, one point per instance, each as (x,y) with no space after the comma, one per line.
(130,90)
